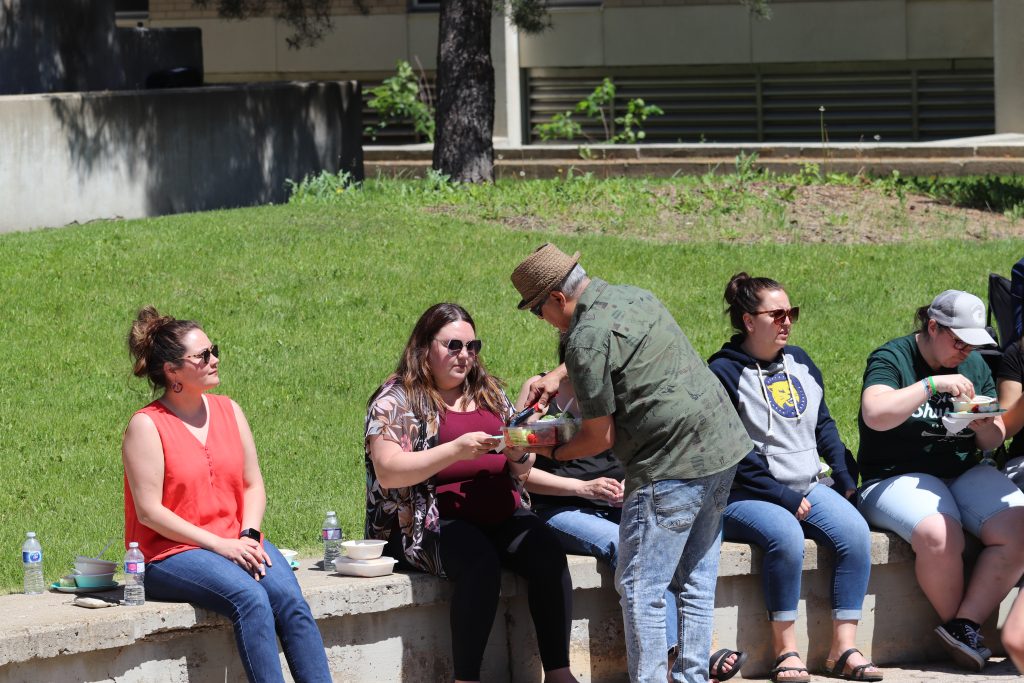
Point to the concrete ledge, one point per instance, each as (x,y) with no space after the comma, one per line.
(395,628)
(994,154)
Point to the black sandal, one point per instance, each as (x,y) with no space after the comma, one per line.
(857,673)
(716,664)
(773,675)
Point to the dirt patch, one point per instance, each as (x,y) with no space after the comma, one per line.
(772,212)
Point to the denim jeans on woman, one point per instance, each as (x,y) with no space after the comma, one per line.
(595,531)
(833,522)
(260,611)
(669,539)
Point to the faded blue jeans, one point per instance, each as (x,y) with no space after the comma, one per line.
(669,539)
(260,611)
(833,522)
(595,531)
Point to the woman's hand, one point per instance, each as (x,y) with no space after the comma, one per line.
(954,385)
(803,510)
(473,444)
(246,553)
(602,488)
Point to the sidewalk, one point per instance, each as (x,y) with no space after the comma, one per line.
(997,671)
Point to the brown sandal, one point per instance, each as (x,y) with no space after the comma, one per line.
(857,673)
(773,675)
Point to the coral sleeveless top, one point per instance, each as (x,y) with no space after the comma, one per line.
(202,484)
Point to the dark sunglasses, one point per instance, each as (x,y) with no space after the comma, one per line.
(779,315)
(536,310)
(205,354)
(454,346)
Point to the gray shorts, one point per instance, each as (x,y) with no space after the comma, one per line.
(898,503)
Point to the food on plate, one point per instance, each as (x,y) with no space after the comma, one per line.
(978,404)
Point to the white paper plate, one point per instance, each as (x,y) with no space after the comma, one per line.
(380,566)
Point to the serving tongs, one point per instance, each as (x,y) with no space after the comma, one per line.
(521,417)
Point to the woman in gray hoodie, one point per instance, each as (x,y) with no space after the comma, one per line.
(776,500)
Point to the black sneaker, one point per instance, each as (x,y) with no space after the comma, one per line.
(962,640)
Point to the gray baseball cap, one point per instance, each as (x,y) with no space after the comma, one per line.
(964,314)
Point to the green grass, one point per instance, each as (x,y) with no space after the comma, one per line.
(311,305)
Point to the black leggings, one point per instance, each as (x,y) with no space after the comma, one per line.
(473,556)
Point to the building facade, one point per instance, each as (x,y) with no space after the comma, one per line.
(836,70)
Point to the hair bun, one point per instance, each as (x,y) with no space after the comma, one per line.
(735,282)
(146,325)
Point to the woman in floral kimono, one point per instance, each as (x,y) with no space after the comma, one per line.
(448,504)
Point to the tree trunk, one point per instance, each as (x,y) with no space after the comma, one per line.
(463,147)
(58,45)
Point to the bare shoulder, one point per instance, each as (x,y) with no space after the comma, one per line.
(140,426)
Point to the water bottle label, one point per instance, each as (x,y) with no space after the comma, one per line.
(331,534)
(134,567)
(31,556)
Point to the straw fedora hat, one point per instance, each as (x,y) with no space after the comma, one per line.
(540,272)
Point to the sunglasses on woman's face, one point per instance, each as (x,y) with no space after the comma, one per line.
(205,354)
(454,346)
(779,315)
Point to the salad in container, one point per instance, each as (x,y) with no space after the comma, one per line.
(550,430)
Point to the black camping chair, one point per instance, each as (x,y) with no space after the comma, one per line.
(1005,302)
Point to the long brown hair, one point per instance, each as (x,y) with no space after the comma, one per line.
(417,379)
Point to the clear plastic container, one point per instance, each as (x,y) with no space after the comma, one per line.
(553,432)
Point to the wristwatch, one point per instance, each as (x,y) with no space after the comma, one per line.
(254,534)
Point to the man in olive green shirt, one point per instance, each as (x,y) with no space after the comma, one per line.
(644,392)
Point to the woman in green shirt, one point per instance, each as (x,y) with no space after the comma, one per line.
(921,474)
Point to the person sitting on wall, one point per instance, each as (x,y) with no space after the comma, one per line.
(777,499)
(448,504)
(194,500)
(922,474)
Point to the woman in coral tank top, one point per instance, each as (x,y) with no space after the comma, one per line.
(194,501)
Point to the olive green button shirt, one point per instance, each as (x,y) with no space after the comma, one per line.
(627,358)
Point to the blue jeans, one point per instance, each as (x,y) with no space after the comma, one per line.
(595,531)
(260,611)
(669,539)
(833,522)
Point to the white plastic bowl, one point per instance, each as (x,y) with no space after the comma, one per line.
(966,405)
(380,566)
(288,554)
(92,565)
(363,549)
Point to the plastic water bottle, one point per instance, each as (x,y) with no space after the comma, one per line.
(134,576)
(32,560)
(331,535)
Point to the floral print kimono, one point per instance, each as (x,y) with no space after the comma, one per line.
(392,416)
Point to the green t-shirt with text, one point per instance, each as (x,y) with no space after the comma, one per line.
(627,358)
(921,443)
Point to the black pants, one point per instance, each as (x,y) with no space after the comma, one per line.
(473,557)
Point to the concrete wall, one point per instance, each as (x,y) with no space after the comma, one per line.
(798,32)
(395,628)
(1009,65)
(79,157)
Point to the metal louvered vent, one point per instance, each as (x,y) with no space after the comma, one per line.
(398,133)
(893,104)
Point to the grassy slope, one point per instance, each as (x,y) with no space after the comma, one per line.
(311,306)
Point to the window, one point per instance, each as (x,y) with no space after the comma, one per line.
(131,9)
